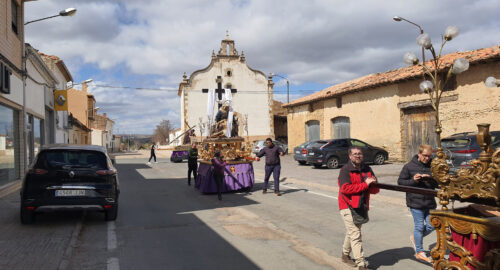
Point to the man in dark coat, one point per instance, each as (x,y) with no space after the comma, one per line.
(273,165)
(192,162)
(417,173)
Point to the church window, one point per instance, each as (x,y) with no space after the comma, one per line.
(228,86)
(229,73)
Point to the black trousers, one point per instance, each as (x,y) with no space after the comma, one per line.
(152,156)
(192,168)
(218,181)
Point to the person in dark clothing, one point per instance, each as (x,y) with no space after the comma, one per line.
(417,173)
(192,162)
(273,165)
(153,147)
(218,172)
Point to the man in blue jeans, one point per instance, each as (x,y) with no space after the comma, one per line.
(417,173)
(273,165)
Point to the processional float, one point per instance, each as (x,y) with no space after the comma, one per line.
(221,132)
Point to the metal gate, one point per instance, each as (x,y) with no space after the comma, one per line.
(419,126)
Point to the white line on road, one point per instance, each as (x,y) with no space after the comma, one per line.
(113,264)
(111,236)
(317,193)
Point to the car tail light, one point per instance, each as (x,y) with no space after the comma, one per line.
(31,208)
(38,171)
(468,151)
(304,151)
(106,172)
(107,206)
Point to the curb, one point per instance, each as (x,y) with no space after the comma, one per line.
(9,188)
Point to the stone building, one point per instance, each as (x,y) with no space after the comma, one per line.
(252,92)
(389,110)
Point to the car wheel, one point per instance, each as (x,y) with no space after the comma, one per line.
(27,216)
(379,159)
(111,213)
(317,166)
(332,163)
(301,162)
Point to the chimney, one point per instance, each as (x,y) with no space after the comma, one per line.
(84,87)
(104,114)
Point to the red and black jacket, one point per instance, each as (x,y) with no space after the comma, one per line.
(352,186)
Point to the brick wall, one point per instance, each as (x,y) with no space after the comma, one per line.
(10,42)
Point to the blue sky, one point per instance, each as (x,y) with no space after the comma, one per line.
(151,43)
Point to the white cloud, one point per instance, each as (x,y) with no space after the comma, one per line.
(321,41)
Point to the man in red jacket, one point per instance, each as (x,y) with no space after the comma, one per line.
(355,186)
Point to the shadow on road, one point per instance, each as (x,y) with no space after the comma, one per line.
(159,222)
(392,256)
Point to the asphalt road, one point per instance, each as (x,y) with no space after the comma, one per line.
(165,224)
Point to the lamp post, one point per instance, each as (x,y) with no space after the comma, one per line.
(398,19)
(287,86)
(433,87)
(66,12)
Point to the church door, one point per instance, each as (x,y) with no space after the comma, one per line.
(312,130)
(341,127)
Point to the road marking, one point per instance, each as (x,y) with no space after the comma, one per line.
(112,243)
(312,192)
(113,264)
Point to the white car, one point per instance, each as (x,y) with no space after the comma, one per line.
(258,145)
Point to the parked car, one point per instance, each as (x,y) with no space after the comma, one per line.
(334,153)
(258,145)
(300,152)
(462,148)
(70,177)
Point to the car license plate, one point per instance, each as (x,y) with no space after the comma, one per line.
(70,192)
(311,154)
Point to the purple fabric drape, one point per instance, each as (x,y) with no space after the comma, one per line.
(179,153)
(236,177)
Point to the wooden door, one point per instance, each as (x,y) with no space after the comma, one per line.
(420,125)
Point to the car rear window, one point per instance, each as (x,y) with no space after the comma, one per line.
(71,159)
(455,143)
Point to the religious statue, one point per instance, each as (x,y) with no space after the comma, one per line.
(222,123)
(187,137)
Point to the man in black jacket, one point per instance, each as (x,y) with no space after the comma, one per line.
(417,173)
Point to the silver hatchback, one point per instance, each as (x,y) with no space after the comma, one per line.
(259,145)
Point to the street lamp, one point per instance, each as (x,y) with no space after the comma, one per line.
(433,87)
(66,12)
(398,19)
(287,86)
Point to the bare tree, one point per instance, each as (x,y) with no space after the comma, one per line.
(162,131)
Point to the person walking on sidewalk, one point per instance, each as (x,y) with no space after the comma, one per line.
(152,155)
(192,162)
(356,183)
(417,173)
(273,165)
(218,172)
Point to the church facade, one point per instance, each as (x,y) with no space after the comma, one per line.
(252,92)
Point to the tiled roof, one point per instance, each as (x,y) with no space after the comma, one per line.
(53,57)
(394,76)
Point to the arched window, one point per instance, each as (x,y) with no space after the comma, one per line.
(312,130)
(341,127)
